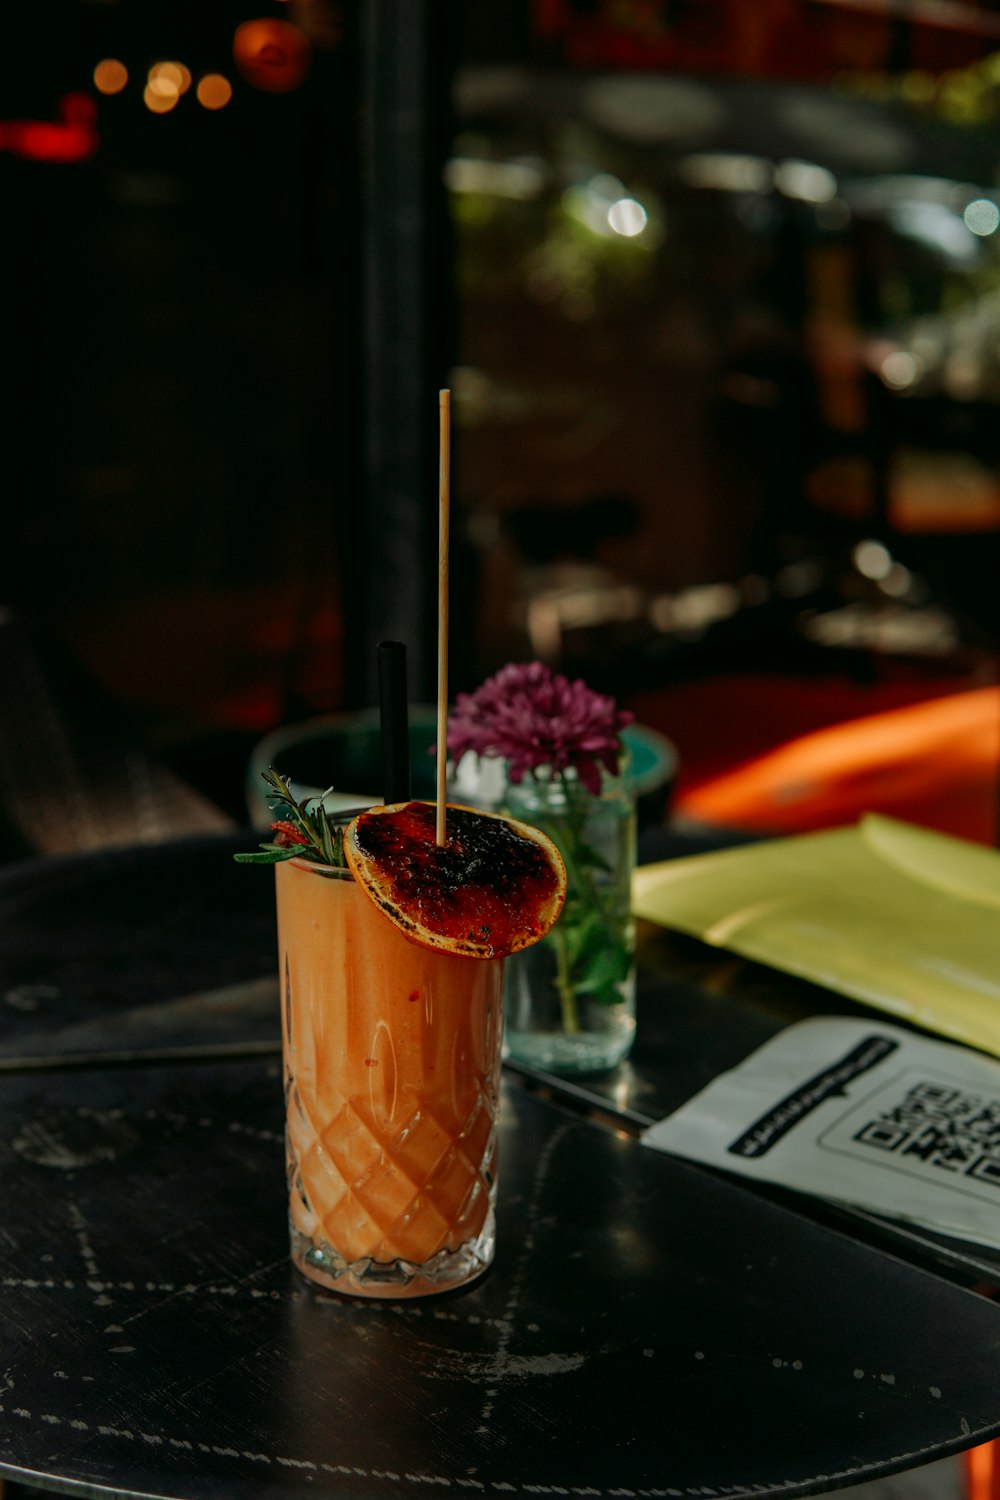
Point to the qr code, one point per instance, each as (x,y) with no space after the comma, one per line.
(941,1126)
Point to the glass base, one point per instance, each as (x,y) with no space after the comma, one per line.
(396,1278)
(566,1053)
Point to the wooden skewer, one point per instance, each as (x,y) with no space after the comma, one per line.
(444,508)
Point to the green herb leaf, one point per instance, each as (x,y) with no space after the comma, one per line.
(585,935)
(324,840)
(604,972)
(268,855)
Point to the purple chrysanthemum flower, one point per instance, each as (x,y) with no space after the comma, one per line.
(531,717)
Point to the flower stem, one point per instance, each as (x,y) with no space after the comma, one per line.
(580,875)
(564,981)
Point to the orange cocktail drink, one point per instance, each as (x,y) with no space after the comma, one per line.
(392,1067)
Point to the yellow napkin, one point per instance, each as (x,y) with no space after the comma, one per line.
(888,913)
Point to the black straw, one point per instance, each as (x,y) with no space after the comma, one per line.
(395,727)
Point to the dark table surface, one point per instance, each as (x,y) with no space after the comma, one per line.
(648,1329)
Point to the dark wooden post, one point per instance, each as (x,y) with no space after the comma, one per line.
(388,571)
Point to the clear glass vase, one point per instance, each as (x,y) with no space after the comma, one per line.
(570,1000)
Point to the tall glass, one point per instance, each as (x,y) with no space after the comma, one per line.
(392,1077)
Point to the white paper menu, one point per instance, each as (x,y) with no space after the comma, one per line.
(861,1113)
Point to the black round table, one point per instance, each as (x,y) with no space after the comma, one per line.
(648,1328)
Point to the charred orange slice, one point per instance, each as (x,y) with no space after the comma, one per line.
(493,887)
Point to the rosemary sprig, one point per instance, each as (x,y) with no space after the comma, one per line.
(306,831)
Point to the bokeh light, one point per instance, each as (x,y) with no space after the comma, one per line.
(872,559)
(806,181)
(899,369)
(982,216)
(162,87)
(627,217)
(272,55)
(158,99)
(214,91)
(169,78)
(78,109)
(110,76)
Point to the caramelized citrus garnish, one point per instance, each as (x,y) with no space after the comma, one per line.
(493,887)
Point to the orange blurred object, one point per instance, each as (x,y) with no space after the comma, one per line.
(157,101)
(981,1470)
(110,76)
(170,77)
(214,91)
(272,55)
(935,763)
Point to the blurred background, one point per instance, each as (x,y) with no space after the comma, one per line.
(716,288)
